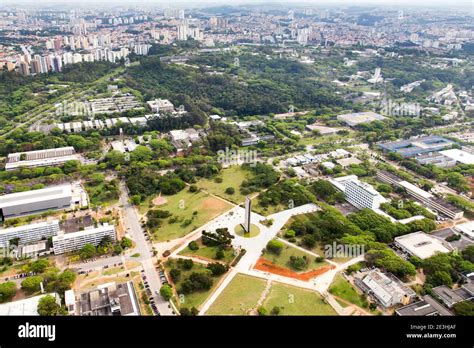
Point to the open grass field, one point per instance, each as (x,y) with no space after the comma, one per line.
(190,211)
(194,299)
(208,252)
(283,260)
(342,288)
(296,301)
(231,177)
(242,294)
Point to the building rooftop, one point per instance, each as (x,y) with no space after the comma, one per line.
(449,296)
(27,306)
(387,287)
(88,230)
(29,226)
(415,189)
(427,307)
(21,198)
(41,154)
(459,156)
(467,228)
(391,175)
(108,299)
(415,146)
(354,119)
(422,245)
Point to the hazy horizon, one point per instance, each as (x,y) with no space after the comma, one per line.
(207,3)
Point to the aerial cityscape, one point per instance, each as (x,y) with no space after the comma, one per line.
(226,159)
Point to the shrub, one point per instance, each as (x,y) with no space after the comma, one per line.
(274,246)
(219,254)
(193,246)
(217,268)
(186,264)
(175,274)
(230,190)
(166,292)
(298,263)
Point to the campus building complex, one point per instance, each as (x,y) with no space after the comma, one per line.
(417,146)
(68,242)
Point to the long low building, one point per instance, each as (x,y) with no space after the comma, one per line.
(417,145)
(68,242)
(29,233)
(434,203)
(41,158)
(459,156)
(51,198)
(357,118)
(422,245)
(426,308)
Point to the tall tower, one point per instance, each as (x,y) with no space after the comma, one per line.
(248,210)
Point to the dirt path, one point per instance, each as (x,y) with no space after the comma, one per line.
(263,296)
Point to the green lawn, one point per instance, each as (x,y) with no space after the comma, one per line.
(208,252)
(231,177)
(182,206)
(283,259)
(195,299)
(318,248)
(242,294)
(265,211)
(342,288)
(103,194)
(296,301)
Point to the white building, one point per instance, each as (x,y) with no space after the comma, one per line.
(459,156)
(359,194)
(466,228)
(27,306)
(422,245)
(377,77)
(68,242)
(385,288)
(41,158)
(51,198)
(29,233)
(160,105)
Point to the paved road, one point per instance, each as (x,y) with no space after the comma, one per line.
(134,229)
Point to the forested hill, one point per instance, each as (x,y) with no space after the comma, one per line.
(255,86)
